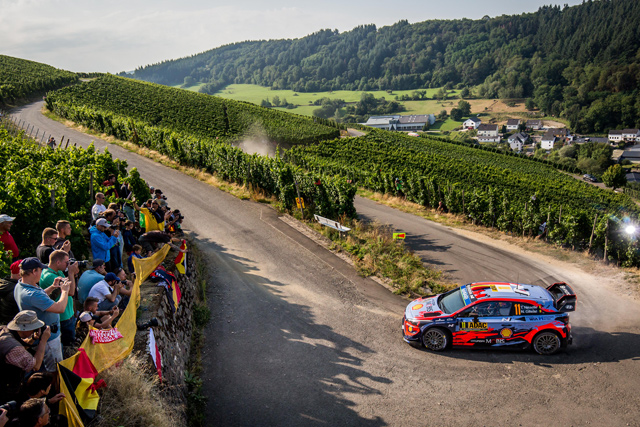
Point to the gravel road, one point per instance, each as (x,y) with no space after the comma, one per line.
(297,338)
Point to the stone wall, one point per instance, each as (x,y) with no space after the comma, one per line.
(173,333)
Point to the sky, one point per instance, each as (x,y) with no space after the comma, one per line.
(116,35)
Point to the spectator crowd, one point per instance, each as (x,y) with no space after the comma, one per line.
(51,300)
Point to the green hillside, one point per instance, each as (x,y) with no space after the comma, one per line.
(580,62)
(20,78)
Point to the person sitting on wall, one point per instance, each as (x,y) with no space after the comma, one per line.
(99,319)
(107,292)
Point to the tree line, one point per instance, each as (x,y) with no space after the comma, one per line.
(580,62)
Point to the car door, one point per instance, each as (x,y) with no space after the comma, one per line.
(479,325)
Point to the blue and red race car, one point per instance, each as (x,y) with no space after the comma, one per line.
(493,314)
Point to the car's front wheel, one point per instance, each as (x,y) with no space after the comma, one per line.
(435,339)
(547,343)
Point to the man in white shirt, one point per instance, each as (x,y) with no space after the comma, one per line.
(99,207)
(107,292)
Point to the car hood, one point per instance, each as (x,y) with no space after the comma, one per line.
(423,307)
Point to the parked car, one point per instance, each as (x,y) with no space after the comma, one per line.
(492,315)
(590,178)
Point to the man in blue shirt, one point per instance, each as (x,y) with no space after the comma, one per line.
(29,296)
(100,242)
(89,278)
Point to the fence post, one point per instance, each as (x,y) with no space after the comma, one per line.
(53,198)
(65,147)
(593,230)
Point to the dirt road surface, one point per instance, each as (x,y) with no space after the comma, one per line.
(297,338)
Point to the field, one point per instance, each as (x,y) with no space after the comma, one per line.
(304,101)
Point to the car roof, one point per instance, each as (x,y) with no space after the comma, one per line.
(506,290)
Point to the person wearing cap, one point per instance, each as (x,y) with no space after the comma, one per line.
(101,244)
(58,263)
(30,296)
(44,249)
(24,330)
(93,275)
(98,207)
(8,306)
(6,238)
(107,292)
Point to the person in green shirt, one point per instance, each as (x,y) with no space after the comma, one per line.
(58,263)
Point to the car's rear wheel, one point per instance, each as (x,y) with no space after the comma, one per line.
(435,339)
(547,343)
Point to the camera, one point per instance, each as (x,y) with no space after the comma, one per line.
(81,264)
(52,328)
(11,407)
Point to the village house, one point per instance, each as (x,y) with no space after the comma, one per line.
(488,133)
(534,124)
(471,123)
(513,124)
(517,141)
(615,136)
(548,140)
(631,135)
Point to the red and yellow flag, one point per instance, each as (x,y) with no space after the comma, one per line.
(181,259)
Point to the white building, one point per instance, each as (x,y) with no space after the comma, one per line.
(471,123)
(631,135)
(513,124)
(615,135)
(517,141)
(548,140)
(401,123)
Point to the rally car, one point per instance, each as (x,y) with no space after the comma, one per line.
(492,314)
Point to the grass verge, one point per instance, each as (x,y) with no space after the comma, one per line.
(132,397)
(374,252)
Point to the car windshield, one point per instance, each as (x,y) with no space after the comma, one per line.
(451,302)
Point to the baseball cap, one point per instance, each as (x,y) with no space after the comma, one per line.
(6,218)
(85,316)
(26,320)
(111,277)
(103,222)
(15,267)
(31,264)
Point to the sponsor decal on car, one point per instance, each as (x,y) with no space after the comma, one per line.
(506,333)
(474,326)
(417,307)
(465,295)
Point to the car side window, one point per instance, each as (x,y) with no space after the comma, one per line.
(520,309)
(493,308)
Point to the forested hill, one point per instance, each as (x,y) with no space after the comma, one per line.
(564,58)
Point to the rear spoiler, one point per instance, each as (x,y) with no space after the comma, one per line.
(564,297)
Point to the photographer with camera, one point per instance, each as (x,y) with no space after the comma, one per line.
(101,244)
(16,361)
(64,231)
(30,296)
(59,261)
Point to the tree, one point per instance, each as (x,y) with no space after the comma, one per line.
(614,177)
(276,101)
(189,81)
(464,93)
(464,107)
(529,104)
(456,114)
(442,115)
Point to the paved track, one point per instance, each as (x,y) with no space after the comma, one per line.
(298,339)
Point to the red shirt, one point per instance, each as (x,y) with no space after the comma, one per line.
(9,244)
